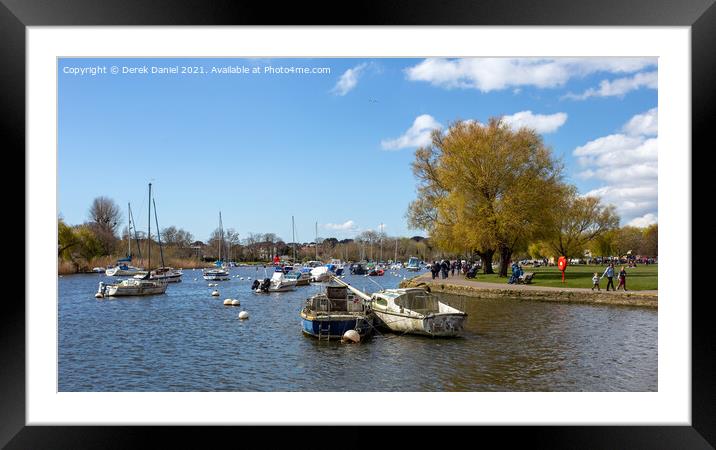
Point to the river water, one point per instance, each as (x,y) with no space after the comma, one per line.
(187,340)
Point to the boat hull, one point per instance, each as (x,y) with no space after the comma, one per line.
(133,291)
(334,326)
(124,273)
(438,325)
(283,287)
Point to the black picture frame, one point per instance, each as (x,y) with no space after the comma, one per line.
(16,15)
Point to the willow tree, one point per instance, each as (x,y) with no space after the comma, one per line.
(488,188)
(580,221)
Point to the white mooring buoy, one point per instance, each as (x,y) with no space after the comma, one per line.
(243,315)
(235,302)
(227,302)
(98,295)
(214,293)
(351,336)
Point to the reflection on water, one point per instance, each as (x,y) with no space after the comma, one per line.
(187,340)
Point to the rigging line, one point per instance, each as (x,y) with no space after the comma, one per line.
(159,235)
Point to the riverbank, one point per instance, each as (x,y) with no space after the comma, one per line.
(481,289)
(69,267)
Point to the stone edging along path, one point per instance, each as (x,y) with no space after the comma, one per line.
(462,286)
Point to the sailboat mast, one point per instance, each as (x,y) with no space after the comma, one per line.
(159,235)
(293,238)
(316,241)
(395,258)
(136,234)
(129,230)
(381,242)
(221,235)
(149,231)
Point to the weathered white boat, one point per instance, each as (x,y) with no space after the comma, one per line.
(413,311)
(416,311)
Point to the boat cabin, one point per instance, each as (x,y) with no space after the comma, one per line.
(335,299)
(416,299)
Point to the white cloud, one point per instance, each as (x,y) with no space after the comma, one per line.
(348,225)
(348,80)
(619,87)
(488,74)
(646,124)
(540,122)
(628,166)
(416,136)
(643,221)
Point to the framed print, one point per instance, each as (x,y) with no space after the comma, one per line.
(351,224)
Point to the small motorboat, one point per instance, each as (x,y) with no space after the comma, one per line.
(277,283)
(303,278)
(320,274)
(330,314)
(413,264)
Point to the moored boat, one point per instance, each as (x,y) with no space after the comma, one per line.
(122,269)
(320,274)
(168,274)
(277,283)
(413,264)
(413,311)
(303,278)
(330,314)
(132,287)
(143,285)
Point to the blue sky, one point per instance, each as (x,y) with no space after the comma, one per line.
(335,148)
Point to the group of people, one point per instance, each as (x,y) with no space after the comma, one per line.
(445,268)
(609,273)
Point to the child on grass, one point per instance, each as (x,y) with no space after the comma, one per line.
(595,281)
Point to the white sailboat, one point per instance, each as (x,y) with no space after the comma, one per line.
(168,274)
(123,268)
(134,287)
(219,272)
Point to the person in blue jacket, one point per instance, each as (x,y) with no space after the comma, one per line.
(609,273)
(516,273)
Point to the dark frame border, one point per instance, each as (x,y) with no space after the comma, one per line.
(15,15)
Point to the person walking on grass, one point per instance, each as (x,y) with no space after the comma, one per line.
(622,279)
(609,273)
(595,281)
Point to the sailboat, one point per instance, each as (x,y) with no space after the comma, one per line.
(219,272)
(136,286)
(123,268)
(301,277)
(168,274)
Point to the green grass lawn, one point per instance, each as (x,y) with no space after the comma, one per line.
(580,276)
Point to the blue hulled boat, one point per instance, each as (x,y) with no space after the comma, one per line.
(329,315)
